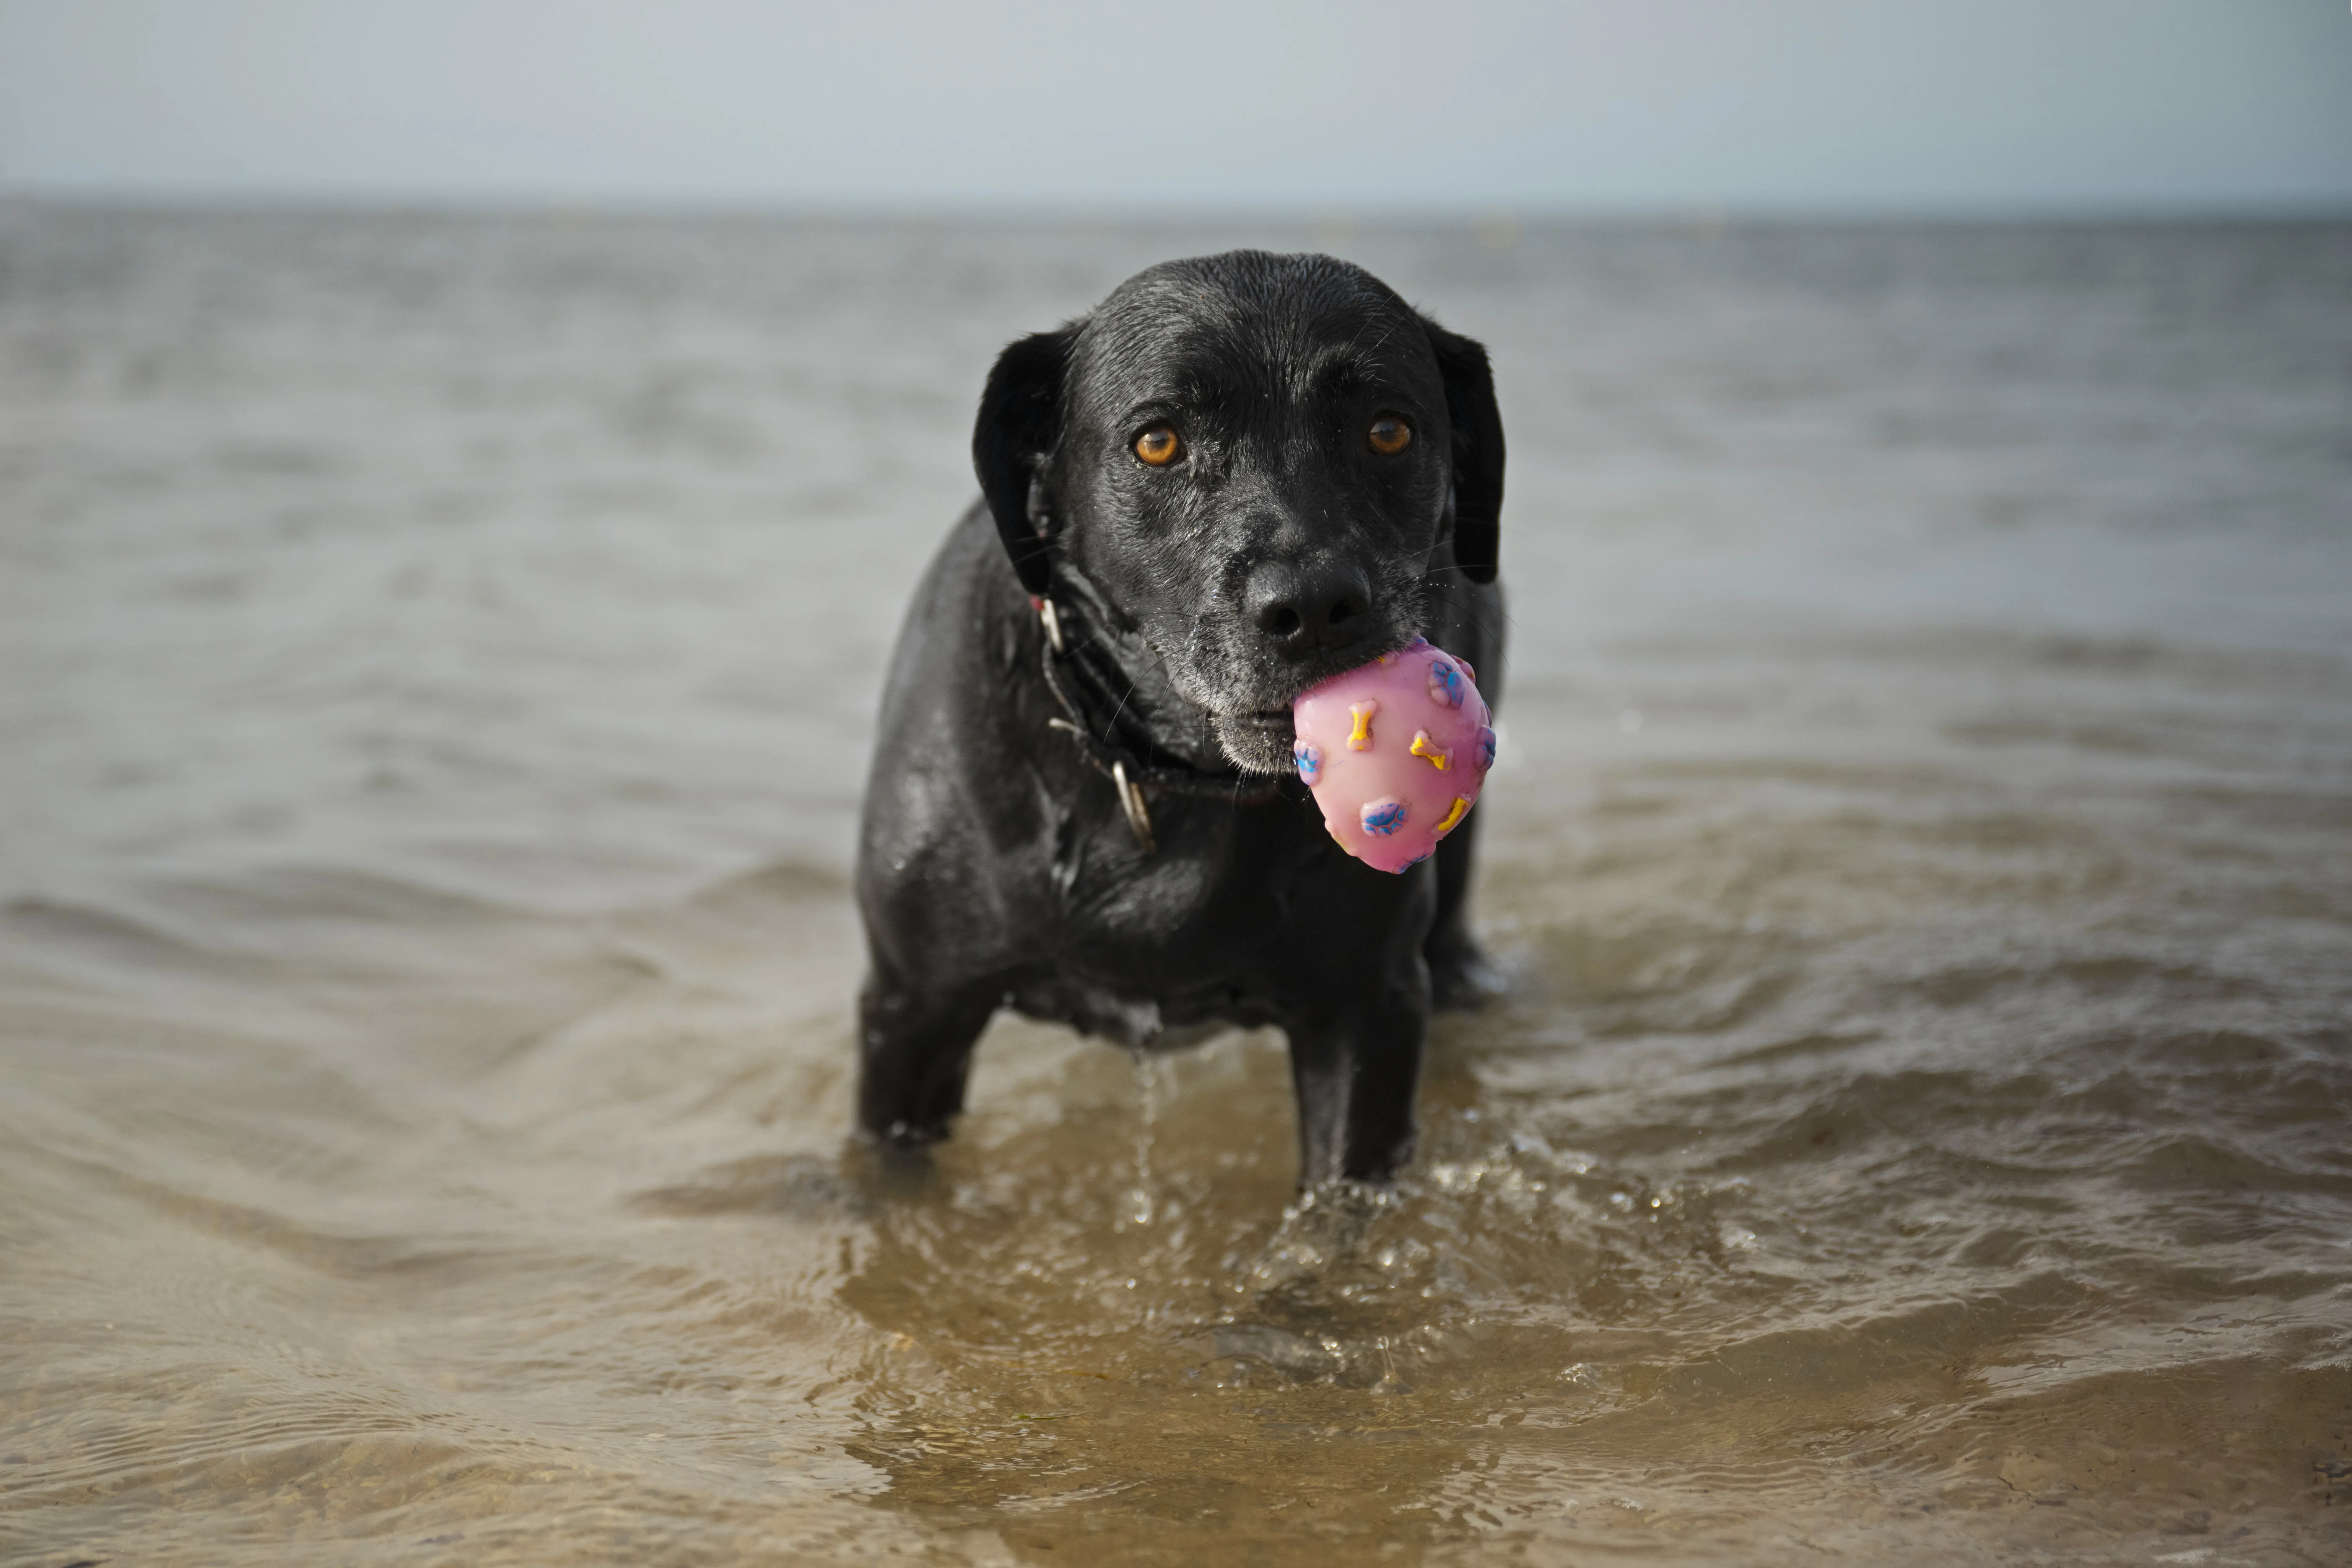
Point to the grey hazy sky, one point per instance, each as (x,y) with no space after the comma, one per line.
(1933,105)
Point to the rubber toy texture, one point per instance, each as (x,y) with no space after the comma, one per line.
(1394,753)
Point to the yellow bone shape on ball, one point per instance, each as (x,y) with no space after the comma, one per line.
(1452,818)
(1423,746)
(1360,739)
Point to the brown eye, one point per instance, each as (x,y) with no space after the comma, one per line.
(1158,446)
(1389,436)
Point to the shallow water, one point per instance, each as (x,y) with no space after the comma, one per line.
(438,656)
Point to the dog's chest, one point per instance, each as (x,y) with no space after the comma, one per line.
(1141,942)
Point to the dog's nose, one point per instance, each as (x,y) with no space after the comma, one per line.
(1303,608)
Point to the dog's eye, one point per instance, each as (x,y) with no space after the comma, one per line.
(1158,446)
(1389,436)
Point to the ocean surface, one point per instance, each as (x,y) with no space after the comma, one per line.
(438,656)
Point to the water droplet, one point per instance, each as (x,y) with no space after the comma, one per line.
(1142,1206)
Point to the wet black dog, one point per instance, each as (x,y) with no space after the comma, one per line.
(1236,476)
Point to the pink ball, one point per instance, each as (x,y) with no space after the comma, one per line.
(1395,754)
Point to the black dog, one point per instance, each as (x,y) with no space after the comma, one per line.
(1237,476)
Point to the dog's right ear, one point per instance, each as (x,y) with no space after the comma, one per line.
(1020,420)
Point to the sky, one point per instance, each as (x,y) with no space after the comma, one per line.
(1964,107)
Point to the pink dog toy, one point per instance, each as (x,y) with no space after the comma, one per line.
(1394,753)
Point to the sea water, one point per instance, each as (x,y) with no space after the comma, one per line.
(438,654)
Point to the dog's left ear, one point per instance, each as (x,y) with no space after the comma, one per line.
(1020,420)
(1477,450)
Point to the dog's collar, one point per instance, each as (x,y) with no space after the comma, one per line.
(1129,774)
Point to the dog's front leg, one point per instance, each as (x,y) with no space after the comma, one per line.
(914,1053)
(1355,1067)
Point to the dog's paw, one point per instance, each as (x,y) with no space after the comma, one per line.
(1322,1230)
(888,1170)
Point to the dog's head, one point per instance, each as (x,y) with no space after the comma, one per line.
(1249,463)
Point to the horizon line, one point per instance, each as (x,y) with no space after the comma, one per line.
(1562,213)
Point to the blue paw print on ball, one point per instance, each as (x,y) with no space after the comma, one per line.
(1384,816)
(1444,684)
(1308,758)
(1486,749)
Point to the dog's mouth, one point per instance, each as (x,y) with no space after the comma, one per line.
(1263,733)
(1256,740)
(1256,733)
